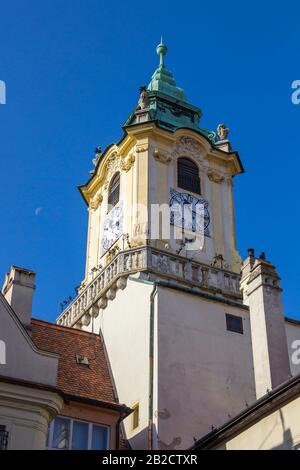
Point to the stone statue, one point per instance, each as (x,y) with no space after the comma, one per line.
(144,100)
(222,131)
(98,153)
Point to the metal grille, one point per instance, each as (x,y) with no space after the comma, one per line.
(114,191)
(188,175)
(3,438)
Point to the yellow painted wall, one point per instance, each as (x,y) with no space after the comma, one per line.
(147,154)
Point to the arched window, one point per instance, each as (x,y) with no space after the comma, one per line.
(114,191)
(188,175)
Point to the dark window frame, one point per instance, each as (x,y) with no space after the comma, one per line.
(3,437)
(188,175)
(114,191)
(136,416)
(234,323)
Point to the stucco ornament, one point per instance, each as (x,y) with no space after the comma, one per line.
(116,163)
(86,319)
(162,263)
(102,302)
(96,201)
(122,282)
(139,148)
(189,147)
(162,157)
(222,131)
(219,262)
(128,161)
(113,164)
(215,176)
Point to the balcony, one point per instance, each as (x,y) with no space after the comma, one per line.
(161,264)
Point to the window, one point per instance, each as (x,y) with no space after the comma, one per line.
(61,434)
(114,191)
(135,416)
(99,438)
(188,175)
(2,352)
(234,323)
(80,434)
(71,434)
(3,438)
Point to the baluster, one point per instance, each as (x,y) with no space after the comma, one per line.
(136,260)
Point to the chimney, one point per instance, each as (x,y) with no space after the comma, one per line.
(262,293)
(18,290)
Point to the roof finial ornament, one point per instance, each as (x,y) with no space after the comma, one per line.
(161,51)
(144,100)
(222,131)
(98,154)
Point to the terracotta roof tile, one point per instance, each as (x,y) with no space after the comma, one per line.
(93,381)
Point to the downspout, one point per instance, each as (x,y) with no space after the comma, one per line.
(151,367)
(118,432)
(123,415)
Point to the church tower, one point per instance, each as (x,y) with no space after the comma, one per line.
(164,158)
(162,280)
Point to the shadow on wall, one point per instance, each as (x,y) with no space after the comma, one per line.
(287,443)
(140,440)
(287,439)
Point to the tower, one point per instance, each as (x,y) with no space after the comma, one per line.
(163,156)
(171,313)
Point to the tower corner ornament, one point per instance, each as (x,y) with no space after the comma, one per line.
(98,155)
(144,100)
(222,131)
(162,157)
(215,176)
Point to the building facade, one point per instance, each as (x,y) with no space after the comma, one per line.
(168,319)
(56,390)
(198,332)
(271,423)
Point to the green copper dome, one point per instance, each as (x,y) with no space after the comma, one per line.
(165,103)
(162,80)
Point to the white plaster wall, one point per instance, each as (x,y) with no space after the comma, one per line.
(26,413)
(278,431)
(205,373)
(271,360)
(261,355)
(19,298)
(293,339)
(23,360)
(125,327)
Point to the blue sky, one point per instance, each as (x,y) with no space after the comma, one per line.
(73,70)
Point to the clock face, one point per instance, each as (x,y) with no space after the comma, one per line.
(112,227)
(189,212)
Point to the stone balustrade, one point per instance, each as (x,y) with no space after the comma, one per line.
(174,267)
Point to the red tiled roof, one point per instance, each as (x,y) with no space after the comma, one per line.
(92,382)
